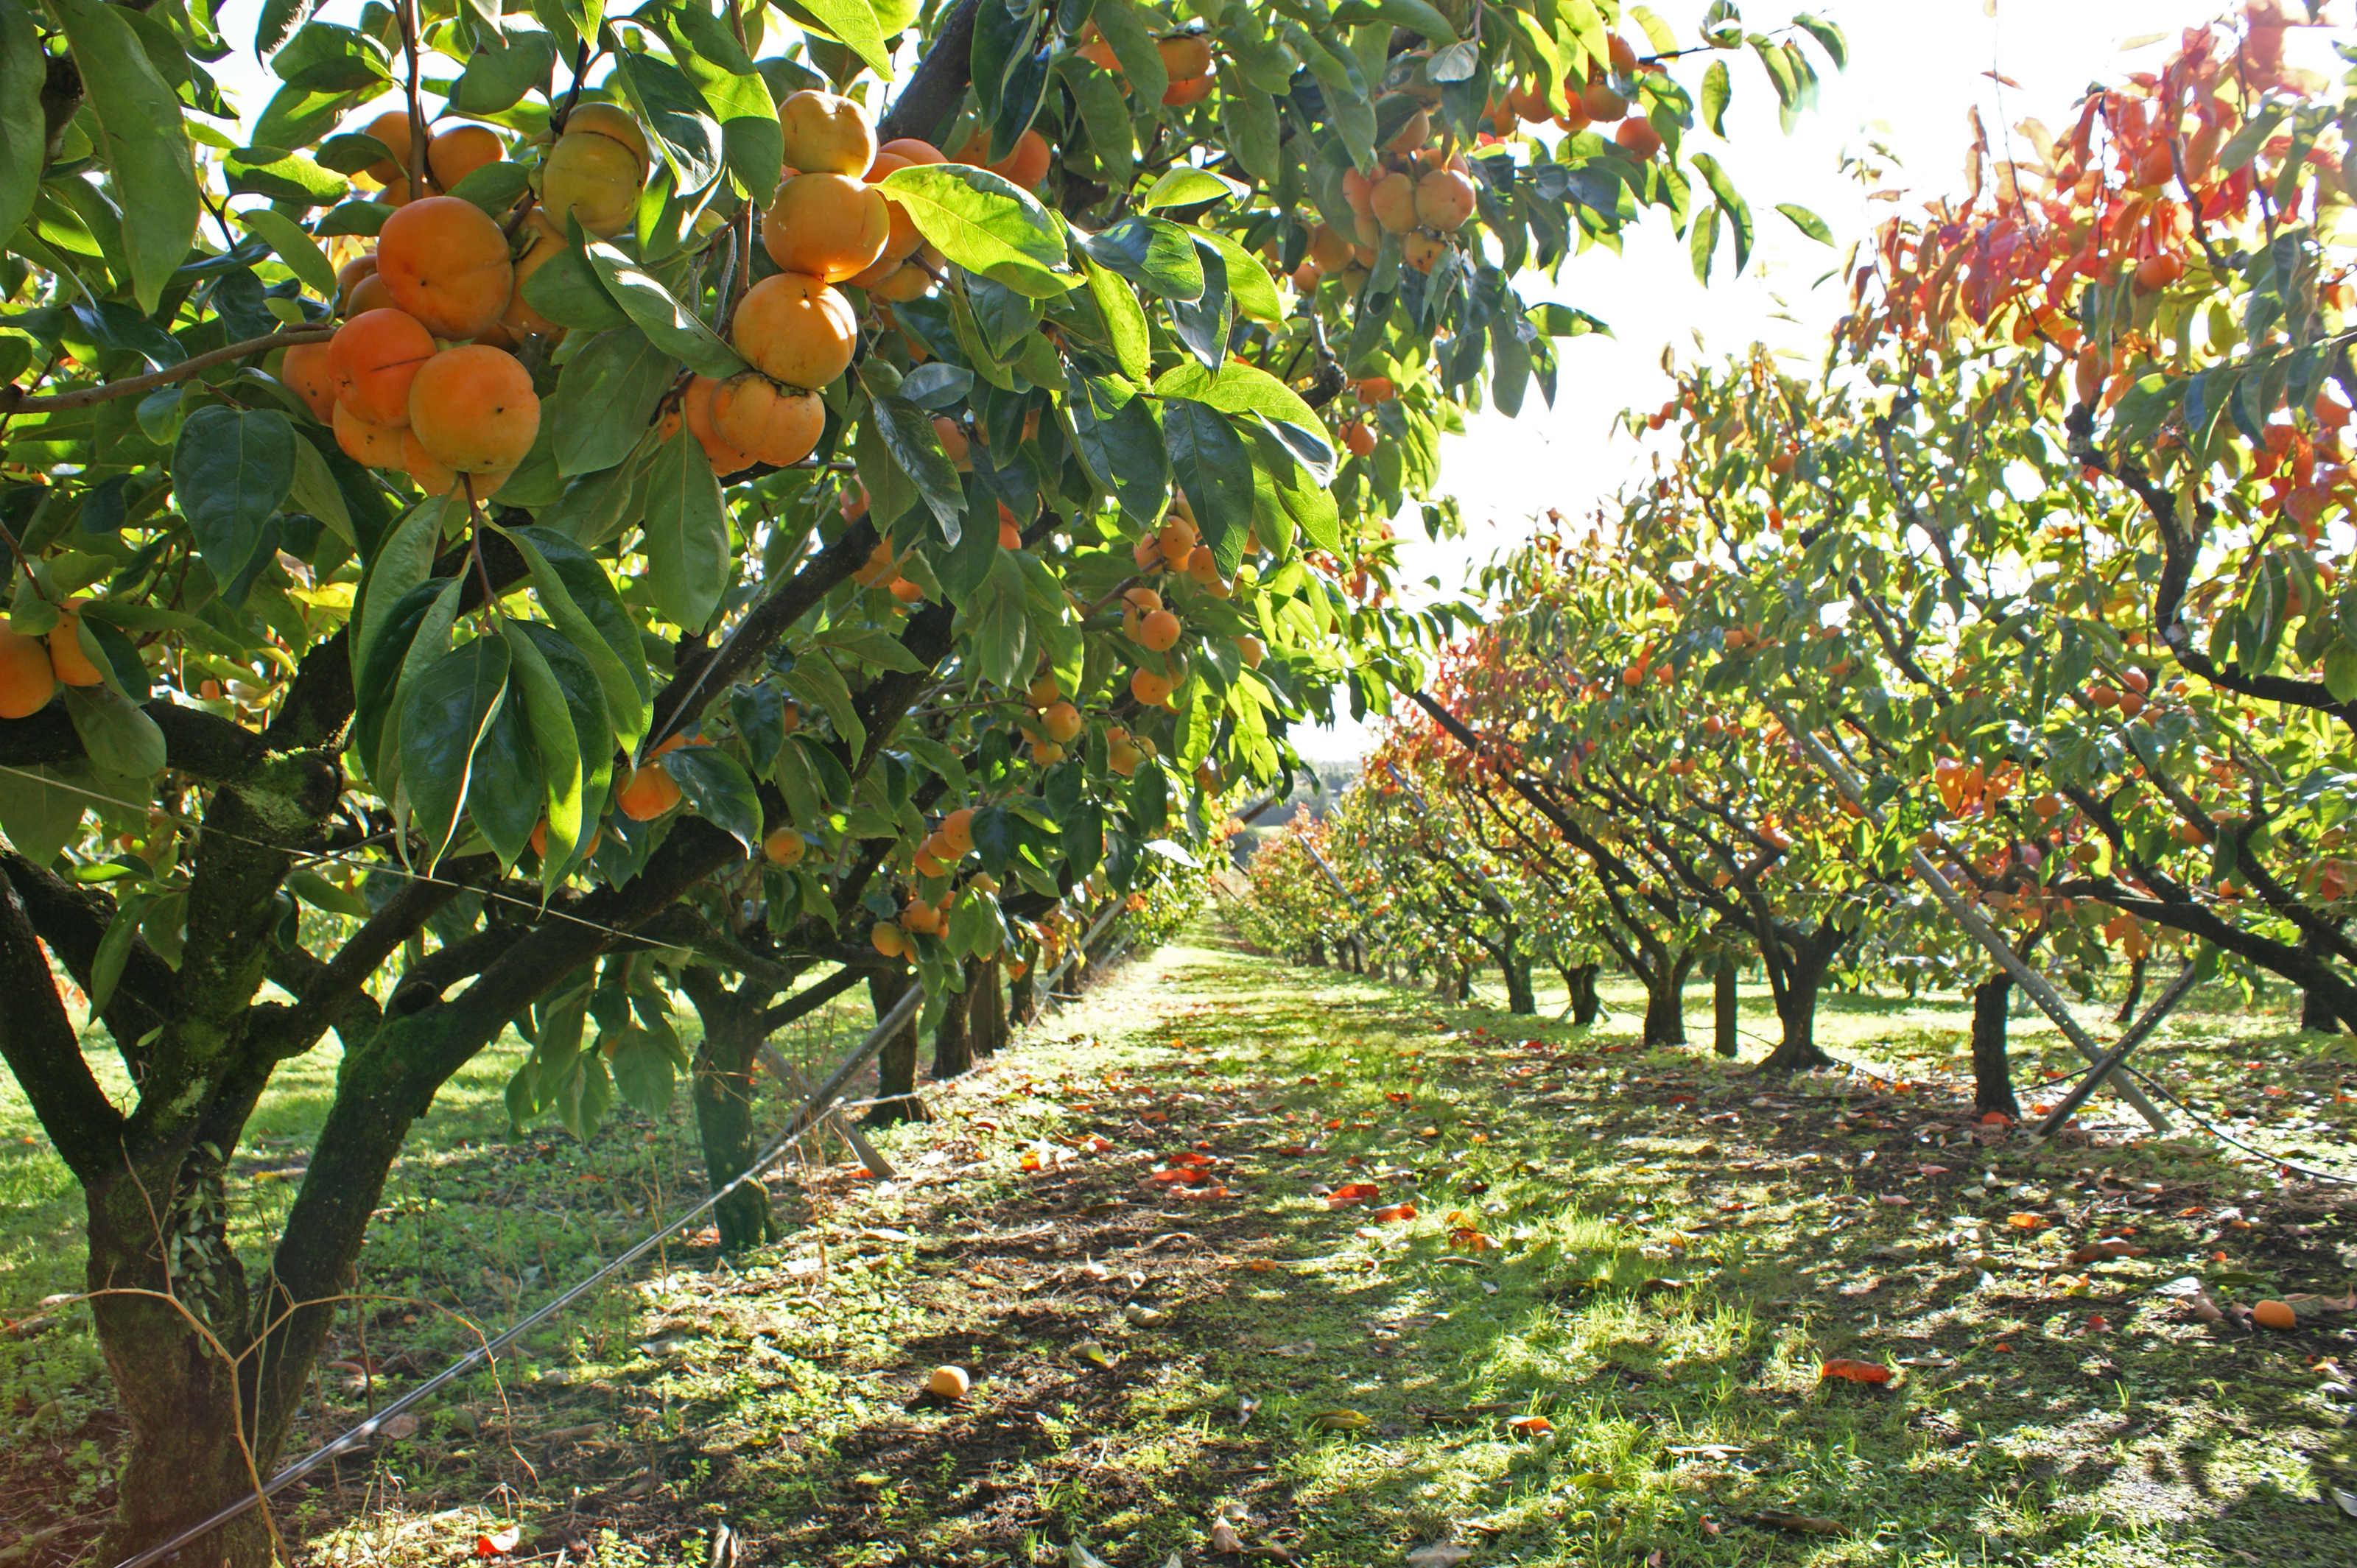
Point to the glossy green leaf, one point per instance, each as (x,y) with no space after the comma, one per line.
(580,598)
(1807,222)
(985,224)
(717,786)
(1208,461)
(294,247)
(144,145)
(669,325)
(548,717)
(231,472)
(606,397)
(1187,186)
(445,712)
(855,21)
(908,435)
(23,129)
(686,535)
(115,734)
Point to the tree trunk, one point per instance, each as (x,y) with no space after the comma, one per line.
(1584,1003)
(1802,974)
(1520,998)
(895,1068)
(1992,1074)
(1023,996)
(1665,1003)
(2136,993)
(1317,955)
(954,1036)
(1722,1008)
(2315,1013)
(722,1082)
(987,1017)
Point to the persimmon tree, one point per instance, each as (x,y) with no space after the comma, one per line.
(861,463)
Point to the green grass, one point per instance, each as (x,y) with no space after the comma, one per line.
(1678,1248)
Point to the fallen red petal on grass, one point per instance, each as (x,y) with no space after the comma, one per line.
(1856,1371)
(499,1544)
(1351,1192)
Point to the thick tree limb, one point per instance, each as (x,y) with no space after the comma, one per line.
(939,83)
(37,1040)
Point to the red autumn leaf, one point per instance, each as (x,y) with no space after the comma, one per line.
(1997,1119)
(1396,1097)
(498,1545)
(1531,1425)
(1183,1175)
(2026,1221)
(1199,1192)
(1856,1371)
(1188,1158)
(1396,1211)
(1351,1192)
(1294,1151)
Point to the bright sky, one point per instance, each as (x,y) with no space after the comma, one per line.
(1915,70)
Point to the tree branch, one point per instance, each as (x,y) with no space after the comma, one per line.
(15,400)
(37,1040)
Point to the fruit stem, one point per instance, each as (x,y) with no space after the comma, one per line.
(420,173)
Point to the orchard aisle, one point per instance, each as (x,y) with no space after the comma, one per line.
(1307,1268)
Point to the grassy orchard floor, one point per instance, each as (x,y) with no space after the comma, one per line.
(1680,1246)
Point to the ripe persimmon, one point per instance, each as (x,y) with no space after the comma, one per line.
(1638,139)
(1027,165)
(544,239)
(1062,722)
(307,374)
(1159,630)
(920,917)
(432,476)
(370,446)
(695,412)
(784,847)
(1194,90)
(456,153)
(369,293)
(954,444)
(74,667)
(1393,202)
(646,793)
(1420,250)
(776,426)
(1185,56)
(793,329)
(826,134)
(474,410)
(596,170)
(1444,199)
(1601,104)
(400,138)
(349,276)
(1357,439)
(1149,688)
(446,261)
(957,831)
(889,939)
(27,678)
(1253,649)
(830,227)
(372,360)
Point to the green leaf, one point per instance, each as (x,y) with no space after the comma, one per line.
(908,434)
(854,22)
(116,735)
(41,808)
(1187,186)
(1807,222)
(719,788)
(1828,36)
(986,225)
(1702,242)
(580,600)
(445,714)
(1125,319)
(1133,30)
(672,111)
(548,717)
(114,952)
(643,1072)
(1249,284)
(686,542)
(232,470)
(997,621)
(1241,388)
(1717,90)
(502,70)
(295,247)
(495,187)
(316,493)
(1121,445)
(142,140)
(292,179)
(505,788)
(817,683)
(23,129)
(1208,461)
(1730,201)
(669,325)
(605,398)
(2341,673)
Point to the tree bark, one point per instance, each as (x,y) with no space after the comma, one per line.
(721,1081)
(1722,1006)
(1992,1073)
(1665,1003)
(1520,997)
(2134,993)
(1585,1004)
(895,1068)
(954,1036)
(1023,997)
(987,1017)
(1797,965)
